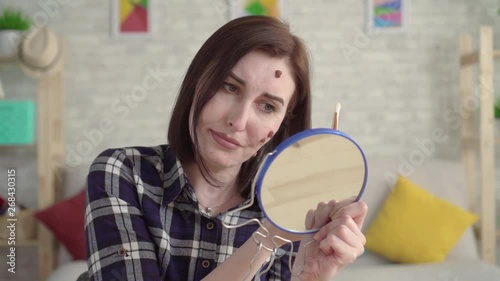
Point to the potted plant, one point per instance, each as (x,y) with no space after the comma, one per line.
(497,109)
(12,24)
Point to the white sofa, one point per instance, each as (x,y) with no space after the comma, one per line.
(444,179)
(441,177)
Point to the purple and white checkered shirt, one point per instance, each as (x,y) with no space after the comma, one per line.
(142,221)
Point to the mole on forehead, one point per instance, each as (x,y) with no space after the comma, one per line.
(277,73)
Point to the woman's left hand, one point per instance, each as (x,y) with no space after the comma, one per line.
(339,241)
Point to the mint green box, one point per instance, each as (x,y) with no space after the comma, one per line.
(17,122)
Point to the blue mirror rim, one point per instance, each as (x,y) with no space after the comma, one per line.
(288,142)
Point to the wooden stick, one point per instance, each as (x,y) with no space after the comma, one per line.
(486,133)
(335,123)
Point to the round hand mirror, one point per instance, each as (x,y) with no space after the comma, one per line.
(309,167)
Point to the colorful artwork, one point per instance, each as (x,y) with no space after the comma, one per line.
(240,8)
(386,15)
(131,18)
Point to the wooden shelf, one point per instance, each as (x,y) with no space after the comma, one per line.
(473,57)
(19,243)
(9,59)
(474,138)
(478,150)
(22,146)
(49,147)
(469,58)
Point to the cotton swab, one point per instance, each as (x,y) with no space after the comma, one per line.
(335,123)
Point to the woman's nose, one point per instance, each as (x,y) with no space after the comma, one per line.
(238,117)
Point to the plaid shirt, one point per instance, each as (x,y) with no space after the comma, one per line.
(142,221)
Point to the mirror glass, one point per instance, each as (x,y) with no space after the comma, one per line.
(312,166)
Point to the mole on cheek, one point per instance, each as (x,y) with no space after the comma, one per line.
(269,136)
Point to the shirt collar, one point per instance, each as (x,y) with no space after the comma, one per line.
(174,178)
(179,181)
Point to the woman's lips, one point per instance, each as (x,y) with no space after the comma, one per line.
(224,140)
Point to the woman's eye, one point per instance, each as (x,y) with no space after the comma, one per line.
(267,107)
(230,87)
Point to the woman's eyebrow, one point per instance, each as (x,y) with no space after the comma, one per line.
(267,95)
(276,98)
(235,77)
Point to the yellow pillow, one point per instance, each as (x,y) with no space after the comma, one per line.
(415,226)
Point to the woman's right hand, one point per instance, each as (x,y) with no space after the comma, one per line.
(338,242)
(315,219)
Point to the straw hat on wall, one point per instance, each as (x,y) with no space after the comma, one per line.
(41,52)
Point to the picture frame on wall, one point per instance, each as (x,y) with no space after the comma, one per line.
(241,8)
(386,16)
(131,19)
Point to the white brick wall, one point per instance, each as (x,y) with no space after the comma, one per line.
(394,88)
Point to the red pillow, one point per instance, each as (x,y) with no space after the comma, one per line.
(66,221)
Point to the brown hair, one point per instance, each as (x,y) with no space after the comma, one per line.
(211,66)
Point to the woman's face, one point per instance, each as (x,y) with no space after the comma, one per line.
(246,111)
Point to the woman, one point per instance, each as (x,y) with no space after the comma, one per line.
(154,213)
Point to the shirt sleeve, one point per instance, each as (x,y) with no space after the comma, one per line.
(118,243)
(280,269)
